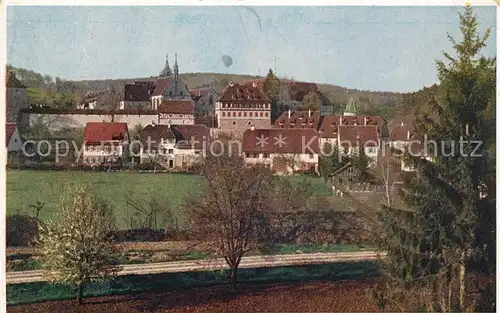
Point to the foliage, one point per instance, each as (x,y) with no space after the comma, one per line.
(22,230)
(271,88)
(329,161)
(229,211)
(150,213)
(448,235)
(78,248)
(311,101)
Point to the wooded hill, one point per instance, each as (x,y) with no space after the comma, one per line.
(57,92)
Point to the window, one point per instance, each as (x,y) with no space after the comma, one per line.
(250,114)
(170,151)
(234,123)
(239,114)
(266,114)
(223,114)
(234,114)
(244,114)
(91,149)
(265,155)
(311,155)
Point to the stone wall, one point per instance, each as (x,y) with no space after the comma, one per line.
(57,119)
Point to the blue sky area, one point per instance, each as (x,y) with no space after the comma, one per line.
(375,48)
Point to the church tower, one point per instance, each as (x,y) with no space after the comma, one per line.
(351,108)
(176,76)
(166,70)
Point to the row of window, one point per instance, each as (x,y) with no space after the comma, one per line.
(244,114)
(265,155)
(105,148)
(94,160)
(245,106)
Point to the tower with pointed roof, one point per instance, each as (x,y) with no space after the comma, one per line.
(166,70)
(176,76)
(351,108)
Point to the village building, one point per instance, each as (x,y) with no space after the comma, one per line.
(204,99)
(352,138)
(175,147)
(17,97)
(93,100)
(149,95)
(284,151)
(404,142)
(176,112)
(105,143)
(13,144)
(241,106)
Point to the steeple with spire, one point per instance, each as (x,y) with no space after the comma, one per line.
(166,70)
(176,75)
(351,107)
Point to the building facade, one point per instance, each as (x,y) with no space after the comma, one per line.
(17,97)
(105,143)
(240,107)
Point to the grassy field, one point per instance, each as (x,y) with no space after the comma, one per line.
(25,188)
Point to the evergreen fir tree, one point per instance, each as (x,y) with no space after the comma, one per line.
(449,231)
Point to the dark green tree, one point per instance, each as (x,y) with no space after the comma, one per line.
(272,90)
(329,161)
(447,234)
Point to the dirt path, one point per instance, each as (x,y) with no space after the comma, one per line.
(215,264)
(343,296)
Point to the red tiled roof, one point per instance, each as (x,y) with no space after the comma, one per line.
(281,140)
(243,94)
(185,134)
(10,128)
(352,135)
(298,119)
(330,123)
(401,133)
(176,107)
(12,81)
(99,132)
(139,91)
(155,133)
(160,85)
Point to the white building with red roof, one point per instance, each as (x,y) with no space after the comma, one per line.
(352,138)
(13,143)
(284,151)
(105,142)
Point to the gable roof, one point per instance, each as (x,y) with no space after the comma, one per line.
(281,140)
(99,132)
(10,128)
(352,135)
(161,84)
(401,133)
(299,119)
(13,82)
(154,134)
(242,93)
(138,91)
(176,107)
(185,134)
(330,123)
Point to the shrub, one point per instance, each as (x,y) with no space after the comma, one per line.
(21,230)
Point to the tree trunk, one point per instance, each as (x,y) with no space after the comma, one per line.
(233,277)
(462,282)
(79,294)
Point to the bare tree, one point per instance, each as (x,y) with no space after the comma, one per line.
(228,213)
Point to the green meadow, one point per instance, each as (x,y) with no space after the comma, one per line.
(25,188)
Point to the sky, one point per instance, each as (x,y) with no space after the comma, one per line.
(368,48)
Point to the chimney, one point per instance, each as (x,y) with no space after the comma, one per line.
(341,120)
(254,84)
(309,113)
(366,120)
(402,123)
(231,84)
(289,113)
(408,135)
(466,129)
(252,128)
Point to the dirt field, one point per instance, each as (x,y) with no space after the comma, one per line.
(346,296)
